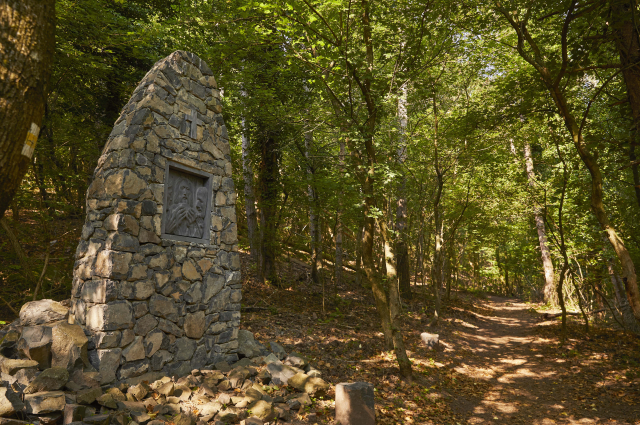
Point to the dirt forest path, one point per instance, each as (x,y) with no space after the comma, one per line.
(524,377)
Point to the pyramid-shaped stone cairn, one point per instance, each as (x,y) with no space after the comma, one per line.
(157,281)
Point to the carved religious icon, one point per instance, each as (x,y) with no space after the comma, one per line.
(181,215)
(186,204)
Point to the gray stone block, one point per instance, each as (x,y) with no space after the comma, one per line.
(163,307)
(145,324)
(184,348)
(107,363)
(135,350)
(132,369)
(194,325)
(110,317)
(99,291)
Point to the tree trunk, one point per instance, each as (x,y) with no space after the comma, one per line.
(249,199)
(438,260)
(394,303)
(27,38)
(359,239)
(339,253)
(547,264)
(628,44)
(269,197)
(402,251)
(314,216)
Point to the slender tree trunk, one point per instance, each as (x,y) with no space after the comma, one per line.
(249,198)
(547,264)
(38,173)
(438,260)
(359,239)
(269,197)
(418,268)
(624,23)
(339,253)
(27,39)
(314,217)
(438,263)
(402,251)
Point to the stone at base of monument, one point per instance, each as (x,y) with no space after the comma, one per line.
(355,404)
(430,340)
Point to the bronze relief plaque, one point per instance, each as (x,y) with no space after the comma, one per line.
(187,204)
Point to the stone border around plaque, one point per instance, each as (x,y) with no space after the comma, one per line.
(194,225)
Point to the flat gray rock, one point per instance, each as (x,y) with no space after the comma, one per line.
(41,312)
(45,402)
(430,340)
(281,373)
(51,379)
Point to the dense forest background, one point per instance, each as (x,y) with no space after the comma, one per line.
(454,145)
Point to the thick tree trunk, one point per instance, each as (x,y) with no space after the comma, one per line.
(628,44)
(402,250)
(549,289)
(249,199)
(394,303)
(27,39)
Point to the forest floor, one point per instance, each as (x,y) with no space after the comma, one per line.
(498,361)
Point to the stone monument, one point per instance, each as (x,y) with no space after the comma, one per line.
(156,281)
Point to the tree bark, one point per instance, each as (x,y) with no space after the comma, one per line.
(27,38)
(549,289)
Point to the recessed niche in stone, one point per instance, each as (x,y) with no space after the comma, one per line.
(187,201)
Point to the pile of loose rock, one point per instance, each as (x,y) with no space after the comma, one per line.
(47,378)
